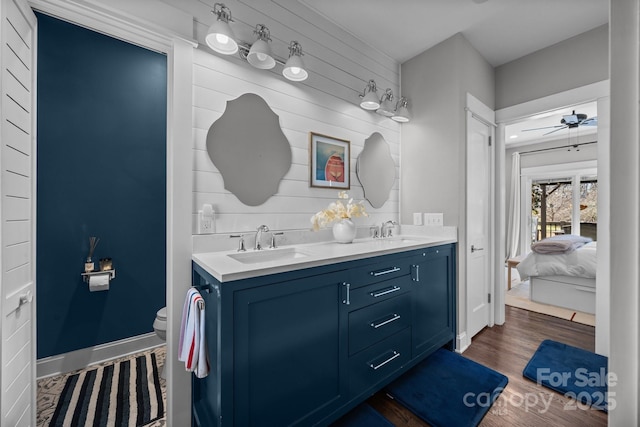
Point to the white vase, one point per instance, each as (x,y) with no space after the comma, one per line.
(344,231)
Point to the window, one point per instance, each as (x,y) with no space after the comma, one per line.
(552,207)
(558,199)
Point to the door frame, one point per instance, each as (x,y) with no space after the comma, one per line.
(599,92)
(475,109)
(179,50)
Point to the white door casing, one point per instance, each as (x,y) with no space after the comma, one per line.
(479,201)
(17,214)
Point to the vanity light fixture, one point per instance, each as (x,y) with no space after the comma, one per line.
(221,39)
(294,68)
(370,97)
(386,104)
(220,36)
(260,55)
(402,112)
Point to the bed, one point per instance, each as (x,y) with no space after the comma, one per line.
(566,280)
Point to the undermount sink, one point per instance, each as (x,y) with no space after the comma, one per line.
(404,240)
(398,239)
(268,255)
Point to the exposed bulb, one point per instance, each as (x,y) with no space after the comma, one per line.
(262,56)
(222,38)
(295,70)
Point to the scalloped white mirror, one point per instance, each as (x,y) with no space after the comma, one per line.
(249,149)
(376,170)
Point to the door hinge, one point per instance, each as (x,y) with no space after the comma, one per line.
(489,298)
(489,141)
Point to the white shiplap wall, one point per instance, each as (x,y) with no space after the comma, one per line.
(326,103)
(301,109)
(17,204)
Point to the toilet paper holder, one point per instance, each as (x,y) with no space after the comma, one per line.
(111,273)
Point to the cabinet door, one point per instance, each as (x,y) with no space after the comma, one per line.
(434,302)
(289,352)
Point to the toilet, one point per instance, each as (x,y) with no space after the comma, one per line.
(160,326)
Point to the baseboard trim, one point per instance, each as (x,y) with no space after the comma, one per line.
(462,342)
(85,357)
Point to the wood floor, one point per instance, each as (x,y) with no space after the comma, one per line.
(507,349)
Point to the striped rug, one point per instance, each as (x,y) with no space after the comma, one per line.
(126,393)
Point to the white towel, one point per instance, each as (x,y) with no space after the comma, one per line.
(192,347)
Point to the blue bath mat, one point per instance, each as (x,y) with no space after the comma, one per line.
(574,372)
(363,416)
(448,390)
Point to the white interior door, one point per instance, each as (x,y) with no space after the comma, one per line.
(478,241)
(17,214)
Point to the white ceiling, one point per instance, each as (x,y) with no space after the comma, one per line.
(544,123)
(501,30)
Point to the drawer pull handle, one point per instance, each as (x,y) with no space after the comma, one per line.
(377,294)
(347,299)
(392,319)
(376,367)
(383,272)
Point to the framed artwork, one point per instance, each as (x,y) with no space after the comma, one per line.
(329,161)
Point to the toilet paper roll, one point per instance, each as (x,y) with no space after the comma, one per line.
(99,282)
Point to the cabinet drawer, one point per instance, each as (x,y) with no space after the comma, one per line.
(383,270)
(373,365)
(378,292)
(376,322)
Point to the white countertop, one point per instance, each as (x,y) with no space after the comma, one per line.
(225,268)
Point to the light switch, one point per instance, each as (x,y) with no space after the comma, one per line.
(417,218)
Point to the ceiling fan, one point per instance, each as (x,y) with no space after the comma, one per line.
(570,121)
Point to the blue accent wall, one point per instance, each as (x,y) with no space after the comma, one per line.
(102,107)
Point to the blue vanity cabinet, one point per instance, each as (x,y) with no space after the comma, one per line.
(290,349)
(277,346)
(434,299)
(304,347)
(379,323)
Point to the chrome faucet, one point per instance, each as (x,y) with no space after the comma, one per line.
(259,231)
(383,228)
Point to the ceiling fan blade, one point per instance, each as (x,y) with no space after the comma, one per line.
(546,127)
(592,121)
(565,126)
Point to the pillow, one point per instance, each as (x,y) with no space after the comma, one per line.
(561,244)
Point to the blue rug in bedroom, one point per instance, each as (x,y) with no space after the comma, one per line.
(574,372)
(448,390)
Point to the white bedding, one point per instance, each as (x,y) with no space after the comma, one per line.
(578,263)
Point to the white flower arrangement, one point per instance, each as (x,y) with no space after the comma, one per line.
(338,210)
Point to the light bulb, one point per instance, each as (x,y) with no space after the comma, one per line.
(262,56)
(222,38)
(295,70)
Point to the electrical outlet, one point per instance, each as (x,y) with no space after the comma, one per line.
(434,219)
(206,217)
(428,219)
